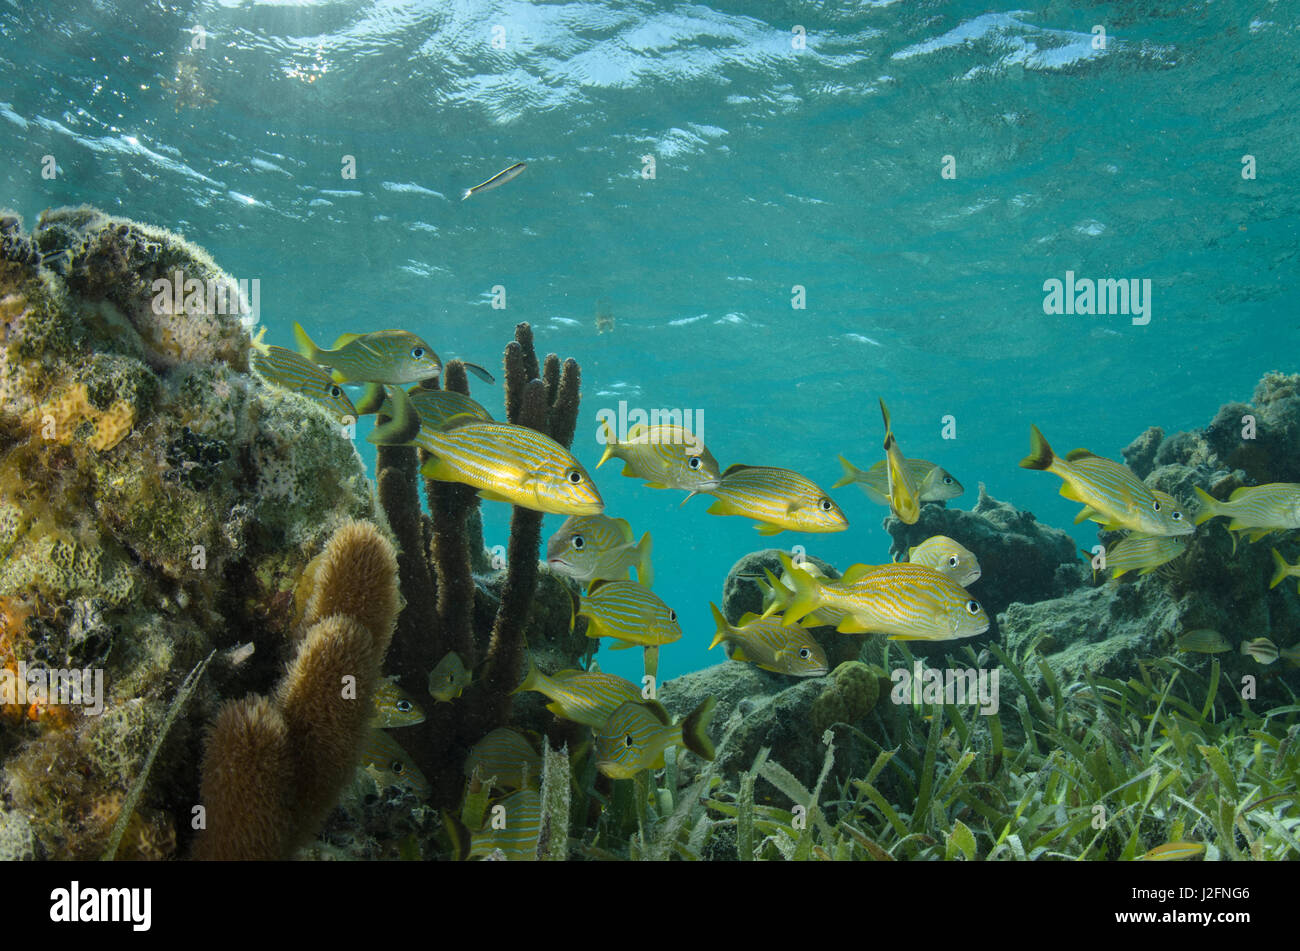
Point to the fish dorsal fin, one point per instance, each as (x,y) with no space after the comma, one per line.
(854,572)
(344,340)
(456,420)
(596,585)
(624,528)
(1076,454)
(747,617)
(736,467)
(1237,493)
(660,714)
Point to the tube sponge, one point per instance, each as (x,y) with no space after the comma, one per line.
(247,781)
(357,576)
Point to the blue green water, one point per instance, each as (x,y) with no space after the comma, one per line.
(775,167)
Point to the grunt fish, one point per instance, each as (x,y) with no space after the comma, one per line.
(595,547)
(946,557)
(583,696)
(1284,570)
(636,735)
(904,496)
(1143,553)
(769,645)
(512,830)
(666,456)
(384,758)
(382,356)
(630,613)
(287,370)
(1255,510)
(1204,641)
(777,499)
(449,678)
(933,483)
(505,756)
(394,707)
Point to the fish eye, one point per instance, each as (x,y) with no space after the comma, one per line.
(824,505)
(947,480)
(1177,516)
(694,463)
(404,706)
(335,392)
(973,607)
(397,766)
(804,653)
(1156,505)
(952,561)
(672,615)
(627,741)
(417,352)
(578,542)
(574,477)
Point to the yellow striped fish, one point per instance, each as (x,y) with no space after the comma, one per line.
(383,356)
(777,595)
(506,756)
(394,707)
(769,645)
(933,483)
(506,463)
(1111,494)
(511,827)
(630,613)
(288,371)
(437,407)
(906,602)
(390,765)
(666,456)
(904,496)
(583,696)
(1173,852)
(777,499)
(1284,570)
(1143,553)
(596,547)
(636,735)
(1204,641)
(946,557)
(1255,510)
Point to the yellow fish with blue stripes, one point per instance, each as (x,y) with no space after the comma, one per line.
(506,757)
(666,456)
(287,370)
(505,462)
(438,407)
(511,829)
(933,483)
(637,734)
(947,557)
(382,356)
(1255,510)
(589,697)
(769,645)
(630,613)
(1110,492)
(1143,553)
(903,601)
(777,499)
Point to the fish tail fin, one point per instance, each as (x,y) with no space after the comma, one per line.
(1040,453)
(889,431)
(258,344)
(1209,506)
(645,572)
(532,680)
(373,400)
(402,427)
(306,346)
(804,600)
(466,193)
(850,473)
(611,443)
(1280,575)
(723,627)
(695,727)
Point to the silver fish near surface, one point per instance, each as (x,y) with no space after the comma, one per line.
(496,181)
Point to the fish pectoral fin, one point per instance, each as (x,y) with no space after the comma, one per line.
(851,625)
(1068,491)
(766,528)
(1085,513)
(492,496)
(623,645)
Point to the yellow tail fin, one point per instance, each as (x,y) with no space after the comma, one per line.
(1040,453)
(1209,506)
(850,473)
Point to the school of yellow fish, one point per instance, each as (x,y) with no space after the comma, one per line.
(921,598)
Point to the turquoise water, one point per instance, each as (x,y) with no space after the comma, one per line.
(775,167)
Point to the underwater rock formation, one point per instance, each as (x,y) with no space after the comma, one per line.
(156,502)
(1214,584)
